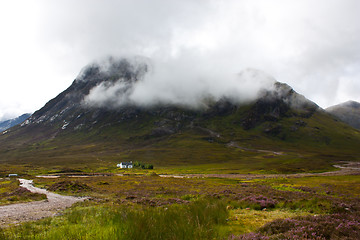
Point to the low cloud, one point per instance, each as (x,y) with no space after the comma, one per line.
(186,81)
(109,95)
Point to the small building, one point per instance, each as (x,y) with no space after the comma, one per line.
(125,165)
(12,175)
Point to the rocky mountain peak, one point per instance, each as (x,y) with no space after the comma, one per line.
(112,69)
(71,103)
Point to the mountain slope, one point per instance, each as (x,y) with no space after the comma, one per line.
(280,131)
(12,122)
(348,112)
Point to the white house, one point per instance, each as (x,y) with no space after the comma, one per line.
(125,165)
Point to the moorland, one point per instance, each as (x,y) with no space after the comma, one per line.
(146,204)
(277,167)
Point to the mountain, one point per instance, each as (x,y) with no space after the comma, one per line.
(348,112)
(280,131)
(12,122)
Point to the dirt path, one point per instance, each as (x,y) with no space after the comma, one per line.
(15,213)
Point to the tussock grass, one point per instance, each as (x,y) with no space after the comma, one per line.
(197,220)
(249,220)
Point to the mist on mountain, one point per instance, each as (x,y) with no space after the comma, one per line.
(144,82)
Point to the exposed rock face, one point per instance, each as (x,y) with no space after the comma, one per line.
(348,112)
(274,105)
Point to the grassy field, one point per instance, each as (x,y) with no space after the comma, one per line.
(152,207)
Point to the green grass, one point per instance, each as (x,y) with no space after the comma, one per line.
(249,220)
(197,220)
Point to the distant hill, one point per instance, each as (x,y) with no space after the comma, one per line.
(12,122)
(348,112)
(280,131)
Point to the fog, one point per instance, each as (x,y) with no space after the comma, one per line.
(185,81)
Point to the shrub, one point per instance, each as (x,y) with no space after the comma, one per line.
(259,202)
(143,165)
(72,186)
(137,164)
(22,194)
(148,166)
(334,226)
(249,236)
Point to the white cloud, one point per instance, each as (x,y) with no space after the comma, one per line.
(180,81)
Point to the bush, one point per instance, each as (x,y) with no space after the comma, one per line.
(148,166)
(334,226)
(259,202)
(71,186)
(142,165)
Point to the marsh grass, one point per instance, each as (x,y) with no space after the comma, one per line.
(249,220)
(197,220)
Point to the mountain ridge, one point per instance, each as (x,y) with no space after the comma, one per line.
(6,124)
(348,112)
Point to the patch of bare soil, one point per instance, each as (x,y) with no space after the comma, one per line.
(16,213)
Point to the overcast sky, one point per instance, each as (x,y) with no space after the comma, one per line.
(314,46)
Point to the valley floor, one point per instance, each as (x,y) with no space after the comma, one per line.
(189,206)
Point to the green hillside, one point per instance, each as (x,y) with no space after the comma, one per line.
(205,142)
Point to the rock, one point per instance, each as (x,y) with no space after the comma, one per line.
(300,123)
(273,130)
